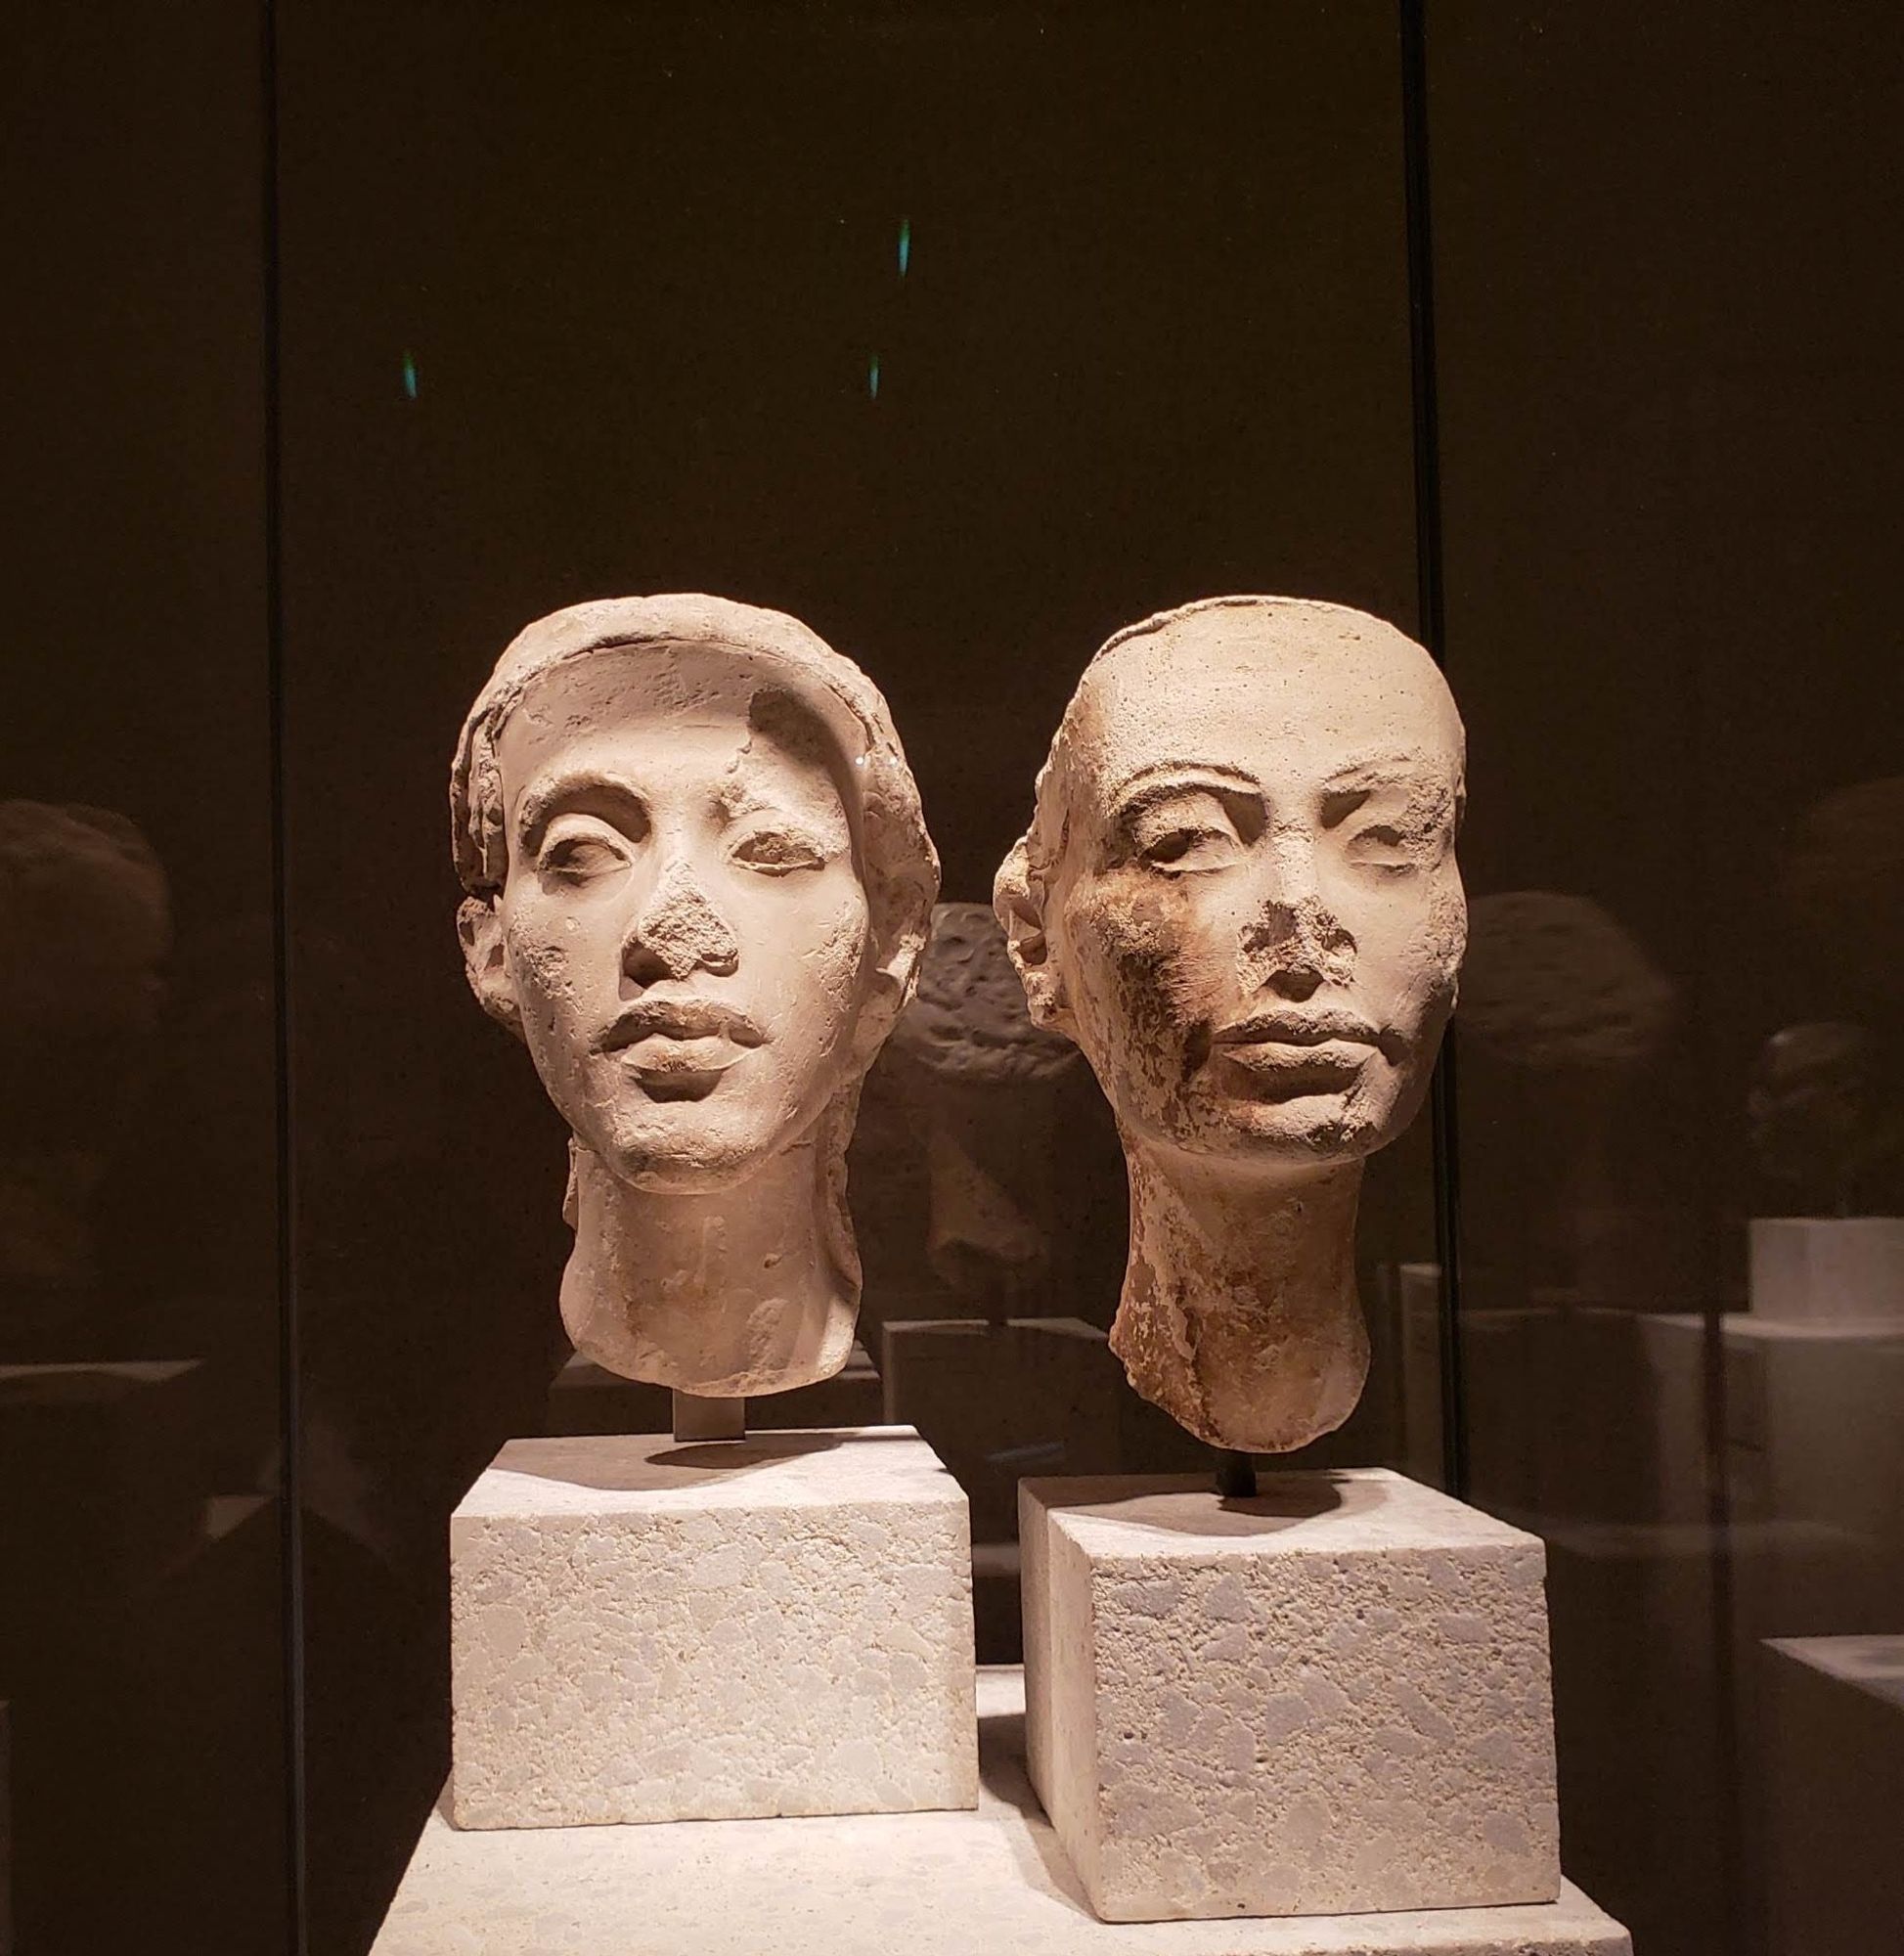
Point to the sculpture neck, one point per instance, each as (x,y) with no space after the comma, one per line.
(1240,1315)
(728,1293)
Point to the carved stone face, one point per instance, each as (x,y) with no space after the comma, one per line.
(1254,920)
(1239,896)
(683,925)
(697,884)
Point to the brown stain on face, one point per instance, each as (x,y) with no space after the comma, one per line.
(1249,813)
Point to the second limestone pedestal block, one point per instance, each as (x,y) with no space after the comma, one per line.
(645,1630)
(1329,1698)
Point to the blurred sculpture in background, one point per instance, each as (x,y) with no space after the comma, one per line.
(980,1080)
(1841,878)
(699,885)
(1566,1018)
(1818,1128)
(85,935)
(1239,896)
(1554,984)
(1827,1098)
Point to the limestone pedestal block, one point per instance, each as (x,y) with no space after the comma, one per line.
(645,1631)
(1330,1699)
(992,1881)
(1831,1794)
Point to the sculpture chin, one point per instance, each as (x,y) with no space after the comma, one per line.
(1302,1133)
(687,1147)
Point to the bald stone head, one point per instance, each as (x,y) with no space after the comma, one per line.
(1238,894)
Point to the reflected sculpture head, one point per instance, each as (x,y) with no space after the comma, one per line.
(1554,984)
(980,1081)
(1812,1114)
(698,882)
(1239,896)
(85,937)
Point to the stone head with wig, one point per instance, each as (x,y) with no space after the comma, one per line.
(698,885)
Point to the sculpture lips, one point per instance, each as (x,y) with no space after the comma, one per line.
(1293,1055)
(1298,1029)
(683,1034)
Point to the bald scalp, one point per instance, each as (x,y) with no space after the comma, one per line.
(1332,673)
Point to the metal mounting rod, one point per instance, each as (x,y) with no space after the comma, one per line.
(697,1418)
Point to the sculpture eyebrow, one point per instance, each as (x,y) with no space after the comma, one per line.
(1378,771)
(547,799)
(1164,778)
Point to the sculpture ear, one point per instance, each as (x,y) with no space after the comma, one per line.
(480,930)
(1018,902)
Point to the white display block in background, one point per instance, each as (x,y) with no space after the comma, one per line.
(1823,1269)
(1833,1795)
(647,1630)
(992,1882)
(1331,1697)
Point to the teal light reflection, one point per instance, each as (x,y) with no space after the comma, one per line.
(872,376)
(904,244)
(410,376)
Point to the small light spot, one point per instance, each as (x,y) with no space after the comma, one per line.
(872,376)
(904,244)
(410,376)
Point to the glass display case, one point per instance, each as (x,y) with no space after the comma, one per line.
(352,338)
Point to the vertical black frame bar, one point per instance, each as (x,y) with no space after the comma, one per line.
(1431,624)
(291,1478)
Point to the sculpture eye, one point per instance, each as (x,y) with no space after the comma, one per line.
(1188,829)
(1181,847)
(580,857)
(777,852)
(1383,848)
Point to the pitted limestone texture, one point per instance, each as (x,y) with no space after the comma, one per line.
(647,1631)
(992,1881)
(1333,1698)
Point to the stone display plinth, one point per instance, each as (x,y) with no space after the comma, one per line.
(647,1631)
(992,1881)
(1831,1793)
(1329,1698)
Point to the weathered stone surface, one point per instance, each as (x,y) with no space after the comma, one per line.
(698,883)
(1329,1698)
(645,1630)
(988,1882)
(1239,896)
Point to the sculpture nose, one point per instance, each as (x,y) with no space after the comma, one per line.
(1296,943)
(679,931)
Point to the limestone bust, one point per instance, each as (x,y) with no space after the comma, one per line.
(1238,895)
(698,882)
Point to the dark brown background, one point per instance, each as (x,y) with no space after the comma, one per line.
(1153,342)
